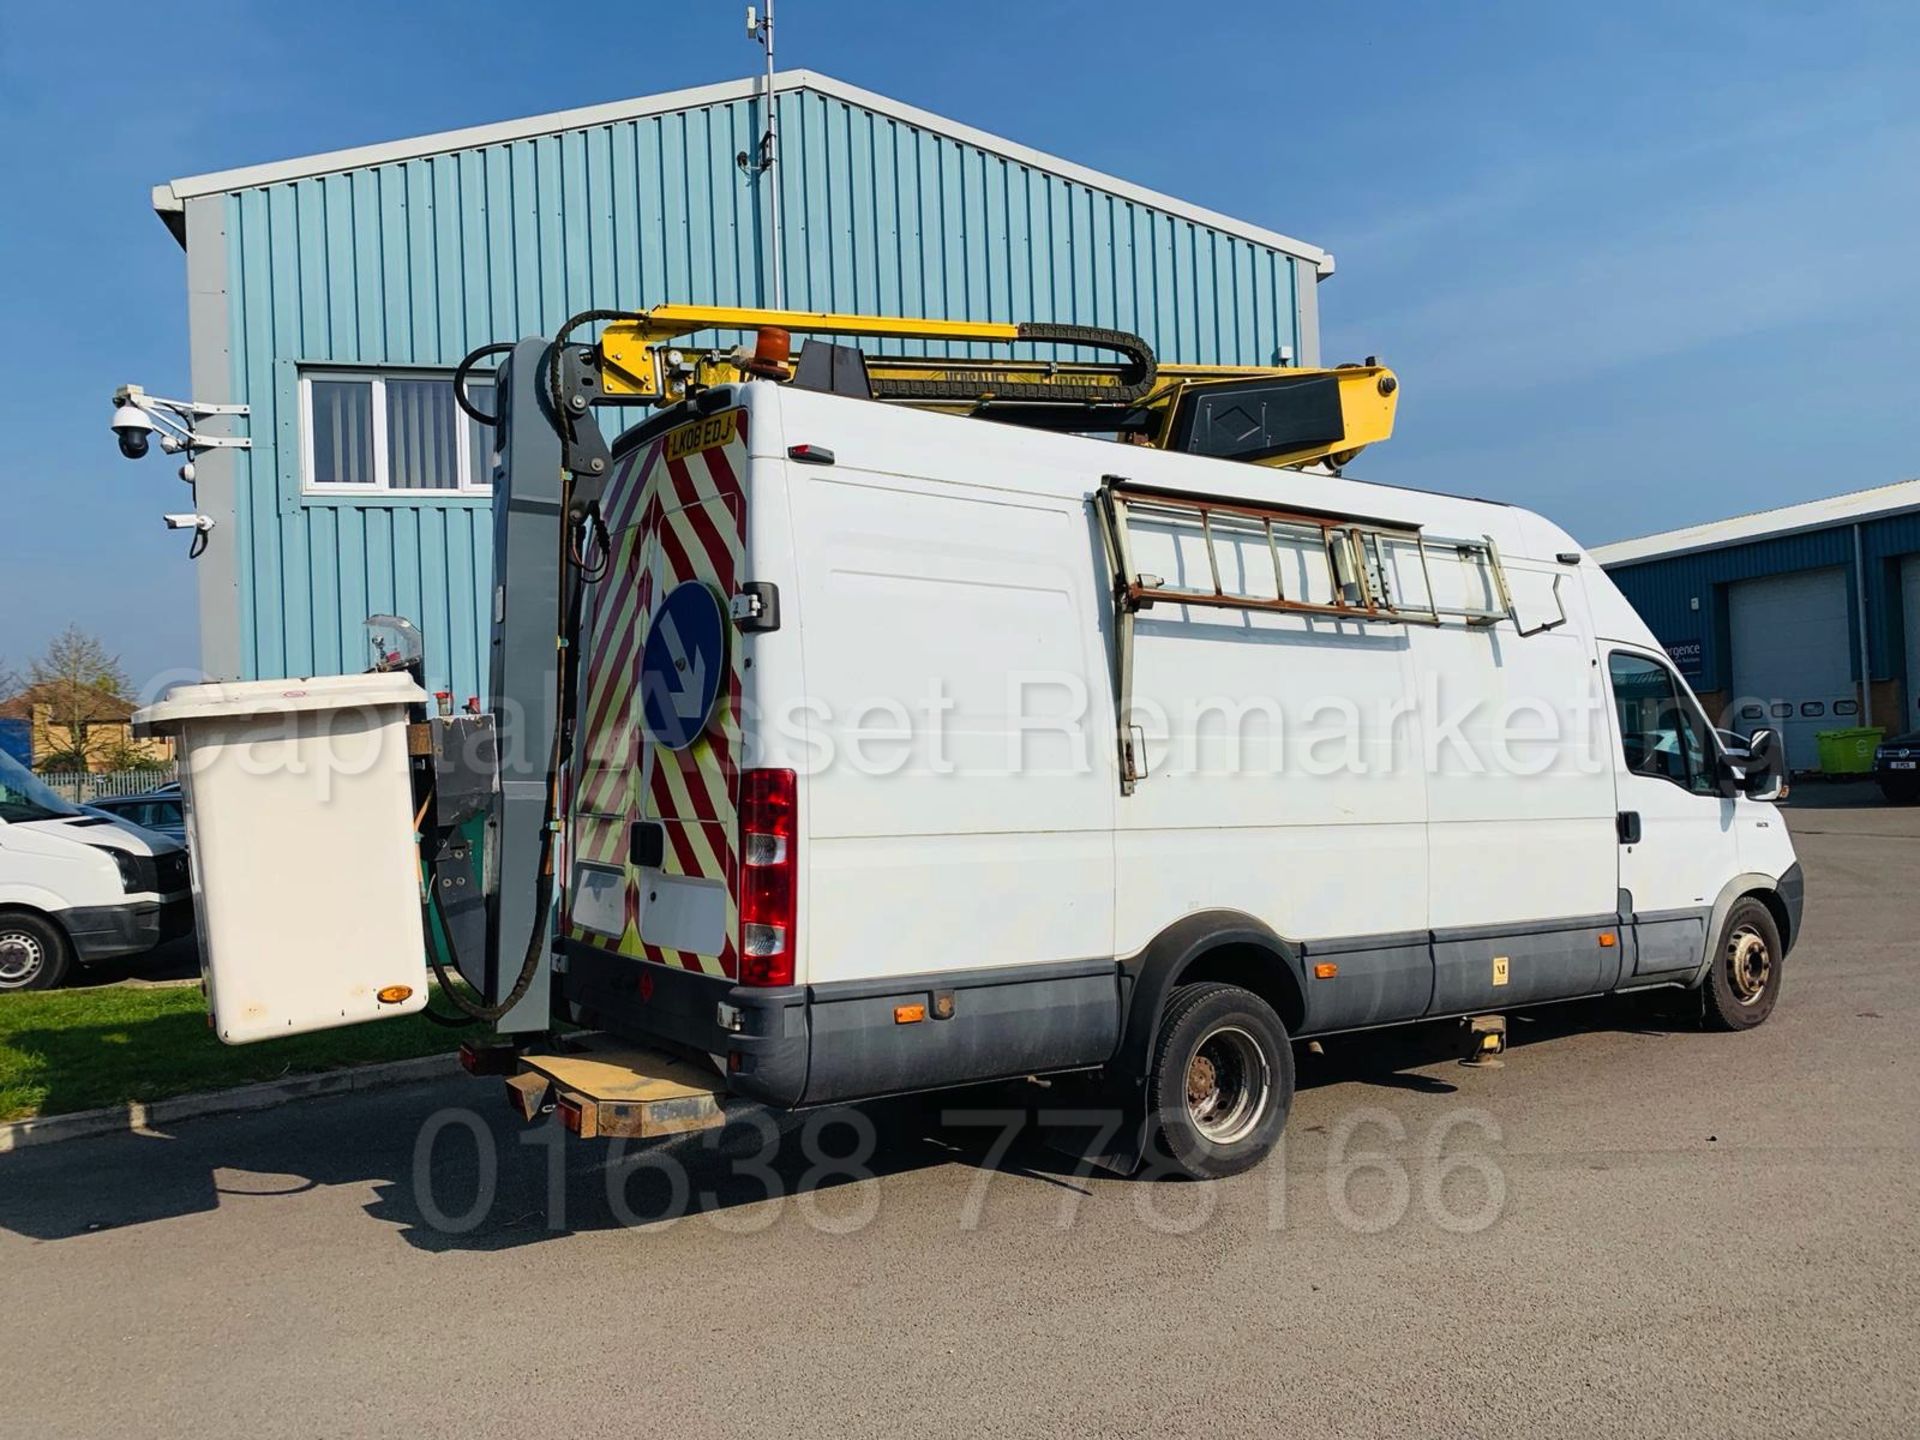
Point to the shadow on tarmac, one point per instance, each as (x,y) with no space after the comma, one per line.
(453,1169)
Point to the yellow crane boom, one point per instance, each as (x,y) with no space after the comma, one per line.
(1269,415)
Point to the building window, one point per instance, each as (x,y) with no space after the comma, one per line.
(369,432)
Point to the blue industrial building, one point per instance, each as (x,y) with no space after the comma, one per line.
(333,295)
(1806,618)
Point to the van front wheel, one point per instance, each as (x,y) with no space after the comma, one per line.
(1744,982)
(1221,1081)
(33,952)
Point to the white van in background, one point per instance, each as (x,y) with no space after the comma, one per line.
(76,886)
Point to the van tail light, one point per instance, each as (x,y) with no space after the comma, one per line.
(769,870)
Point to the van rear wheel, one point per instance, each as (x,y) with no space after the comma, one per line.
(1221,1080)
(33,952)
(1743,983)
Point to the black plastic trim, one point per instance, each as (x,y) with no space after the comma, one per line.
(1301,411)
(1013,1021)
(1349,944)
(1525,927)
(959,979)
(1157,969)
(765,618)
(100,932)
(1792,891)
(1684,912)
(1047,1018)
(815,1045)
(647,844)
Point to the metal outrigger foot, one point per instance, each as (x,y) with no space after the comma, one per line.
(1486,1042)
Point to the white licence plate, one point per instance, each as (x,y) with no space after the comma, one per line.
(1902,764)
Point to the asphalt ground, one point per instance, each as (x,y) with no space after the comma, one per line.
(1633,1228)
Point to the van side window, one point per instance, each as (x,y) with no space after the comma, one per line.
(1662,735)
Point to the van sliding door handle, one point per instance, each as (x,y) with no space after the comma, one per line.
(1627,823)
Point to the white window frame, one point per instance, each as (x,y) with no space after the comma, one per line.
(470,480)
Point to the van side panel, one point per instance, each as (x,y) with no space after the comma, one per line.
(960,795)
(1521,785)
(1283,762)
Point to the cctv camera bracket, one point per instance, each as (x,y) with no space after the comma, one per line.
(199,409)
(173,418)
(217,442)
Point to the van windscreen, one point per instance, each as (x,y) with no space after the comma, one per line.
(23,796)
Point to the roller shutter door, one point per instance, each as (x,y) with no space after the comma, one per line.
(1792,658)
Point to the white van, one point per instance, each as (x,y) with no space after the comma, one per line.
(76,886)
(918,750)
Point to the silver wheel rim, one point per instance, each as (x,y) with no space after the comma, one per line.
(1228,1081)
(1749,965)
(21,958)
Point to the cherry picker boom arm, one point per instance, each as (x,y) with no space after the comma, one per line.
(1268,415)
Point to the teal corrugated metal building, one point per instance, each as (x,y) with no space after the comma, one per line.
(333,294)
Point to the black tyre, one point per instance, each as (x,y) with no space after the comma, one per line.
(1899,793)
(1221,1080)
(34,954)
(1743,982)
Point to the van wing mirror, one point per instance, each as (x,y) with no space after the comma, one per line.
(1765,766)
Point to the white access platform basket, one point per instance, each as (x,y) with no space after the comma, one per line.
(306,879)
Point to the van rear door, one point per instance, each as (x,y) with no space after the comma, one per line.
(655,814)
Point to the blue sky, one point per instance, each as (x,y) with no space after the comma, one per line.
(1638,265)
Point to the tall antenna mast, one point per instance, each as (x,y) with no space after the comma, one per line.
(760,28)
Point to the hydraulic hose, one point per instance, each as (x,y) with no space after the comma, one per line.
(465,368)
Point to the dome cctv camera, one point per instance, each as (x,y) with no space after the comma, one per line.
(132,425)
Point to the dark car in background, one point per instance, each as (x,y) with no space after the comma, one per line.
(1896,765)
(161,810)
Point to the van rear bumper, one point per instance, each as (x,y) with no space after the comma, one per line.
(680,1009)
(101,932)
(859,1039)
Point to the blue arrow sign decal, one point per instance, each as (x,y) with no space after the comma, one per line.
(683,665)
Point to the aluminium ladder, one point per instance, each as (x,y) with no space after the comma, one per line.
(1344,568)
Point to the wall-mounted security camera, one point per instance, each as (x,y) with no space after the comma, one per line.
(138,417)
(200,525)
(132,426)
